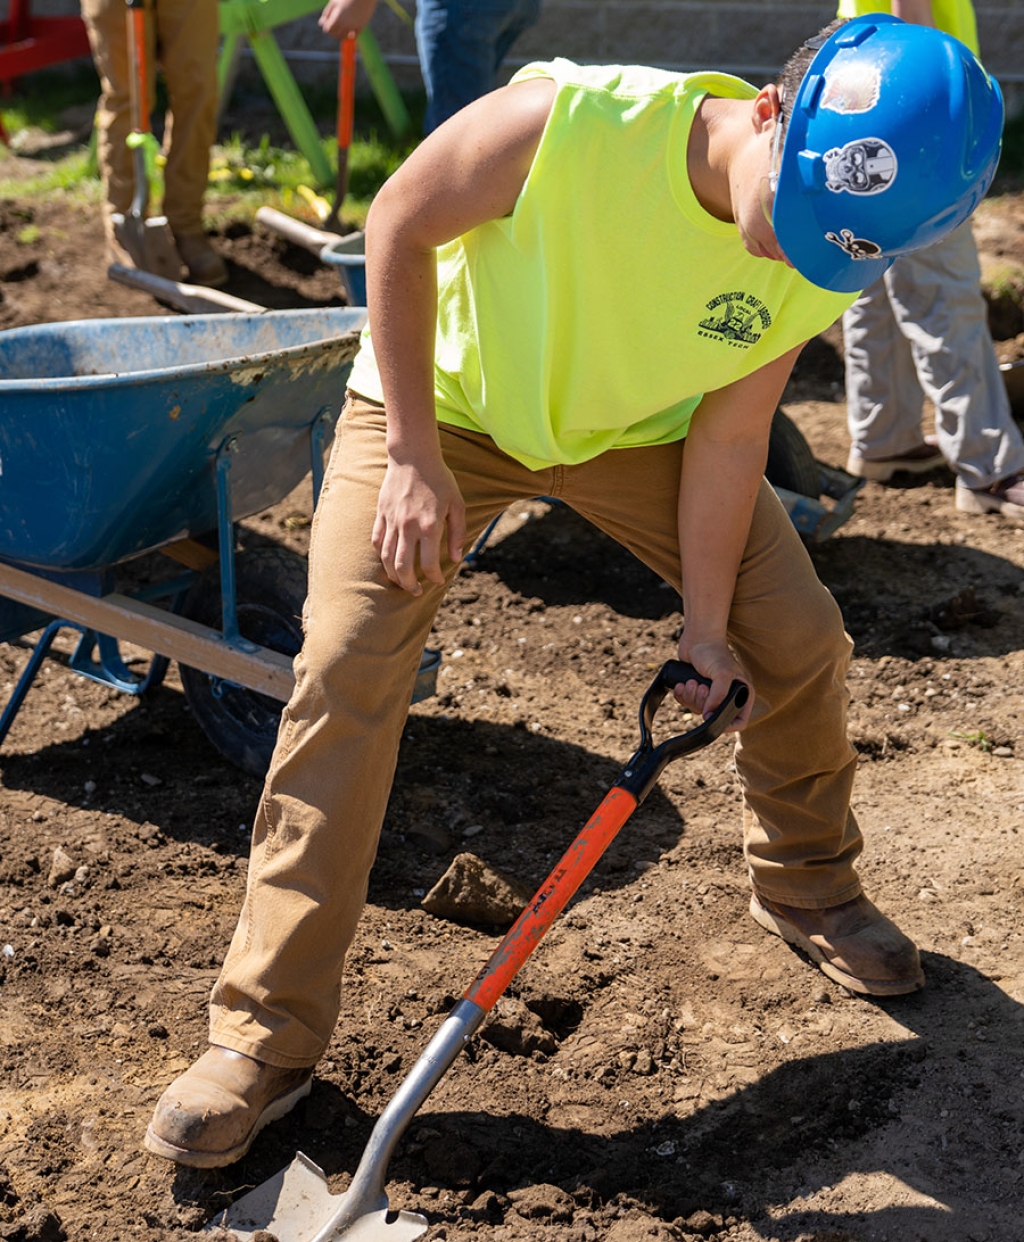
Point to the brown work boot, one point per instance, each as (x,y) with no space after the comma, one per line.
(853,943)
(204,264)
(211,1114)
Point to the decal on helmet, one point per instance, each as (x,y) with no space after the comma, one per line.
(851,87)
(867,166)
(855,247)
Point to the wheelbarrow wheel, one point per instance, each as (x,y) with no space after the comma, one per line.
(270,589)
(791,463)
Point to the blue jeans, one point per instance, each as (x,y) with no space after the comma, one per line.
(462,44)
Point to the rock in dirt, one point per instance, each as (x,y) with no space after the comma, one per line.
(515,1028)
(470,891)
(62,868)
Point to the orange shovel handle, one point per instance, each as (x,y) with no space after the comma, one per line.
(139,54)
(552,897)
(346,91)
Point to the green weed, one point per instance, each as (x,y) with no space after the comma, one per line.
(976,739)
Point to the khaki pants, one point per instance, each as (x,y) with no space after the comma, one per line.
(922,330)
(183,36)
(318,822)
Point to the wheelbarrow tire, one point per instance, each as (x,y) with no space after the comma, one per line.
(270,589)
(791,463)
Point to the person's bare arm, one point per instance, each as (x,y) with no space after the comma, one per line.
(917,11)
(340,18)
(468,171)
(723,463)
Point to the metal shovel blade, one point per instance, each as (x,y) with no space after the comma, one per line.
(296,1205)
(149,242)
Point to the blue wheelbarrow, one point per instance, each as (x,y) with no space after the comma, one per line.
(122,438)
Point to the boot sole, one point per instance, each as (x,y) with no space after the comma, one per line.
(274,1111)
(867,987)
(885,471)
(969,501)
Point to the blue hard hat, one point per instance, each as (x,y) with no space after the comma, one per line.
(892,141)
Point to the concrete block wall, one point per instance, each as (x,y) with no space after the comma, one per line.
(751,38)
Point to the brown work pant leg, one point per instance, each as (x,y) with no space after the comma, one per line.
(794,760)
(187,31)
(106,23)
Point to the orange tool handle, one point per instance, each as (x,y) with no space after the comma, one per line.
(552,897)
(139,53)
(346,91)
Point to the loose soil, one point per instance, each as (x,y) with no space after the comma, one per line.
(663,1069)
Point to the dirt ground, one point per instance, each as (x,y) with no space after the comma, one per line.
(664,1070)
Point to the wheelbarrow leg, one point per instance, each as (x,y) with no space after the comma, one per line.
(110,669)
(28,676)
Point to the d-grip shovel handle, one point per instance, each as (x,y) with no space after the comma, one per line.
(643,770)
(633,785)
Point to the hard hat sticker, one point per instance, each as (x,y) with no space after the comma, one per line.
(851,87)
(867,166)
(855,247)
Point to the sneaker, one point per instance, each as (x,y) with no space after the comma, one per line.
(920,460)
(1006,497)
(210,1115)
(853,943)
(204,264)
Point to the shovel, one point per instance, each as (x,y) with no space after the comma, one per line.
(149,242)
(296,1205)
(346,113)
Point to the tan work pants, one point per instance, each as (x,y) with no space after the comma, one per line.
(318,822)
(183,36)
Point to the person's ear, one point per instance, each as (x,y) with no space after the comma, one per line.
(767,107)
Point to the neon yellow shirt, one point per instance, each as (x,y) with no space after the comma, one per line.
(597,314)
(955,17)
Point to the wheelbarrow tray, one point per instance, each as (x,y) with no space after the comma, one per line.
(347,256)
(111,427)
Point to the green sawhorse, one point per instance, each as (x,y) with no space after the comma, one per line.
(254,20)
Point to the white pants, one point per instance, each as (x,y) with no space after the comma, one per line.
(923,330)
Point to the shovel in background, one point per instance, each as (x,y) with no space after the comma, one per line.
(149,242)
(346,113)
(296,1205)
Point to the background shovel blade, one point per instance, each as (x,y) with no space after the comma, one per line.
(149,243)
(296,1206)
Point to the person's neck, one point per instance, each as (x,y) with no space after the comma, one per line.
(708,156)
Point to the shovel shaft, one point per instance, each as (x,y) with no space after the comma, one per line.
(345,118)
(139,52)
(552,897)
(366,1190)
(346,92)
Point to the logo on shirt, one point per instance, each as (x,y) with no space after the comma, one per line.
(737,319)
